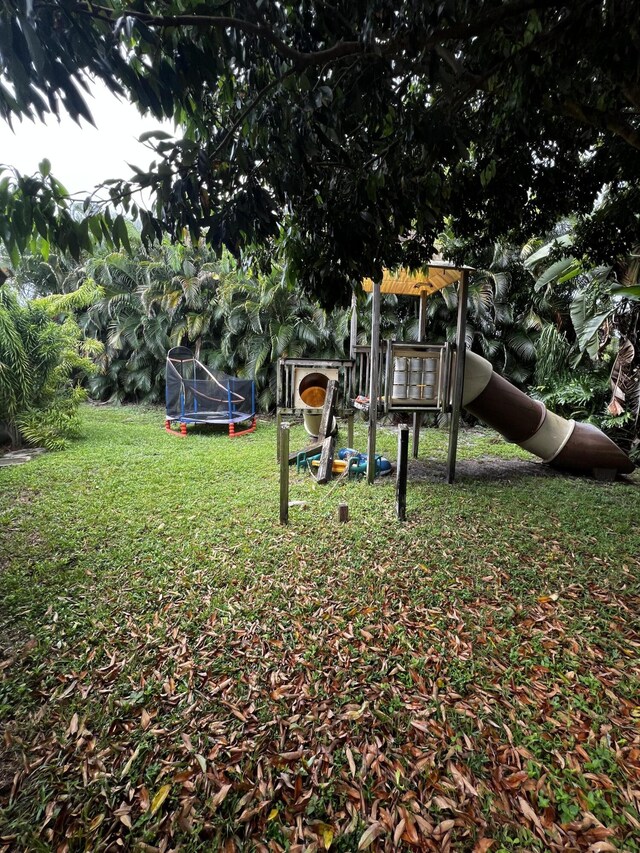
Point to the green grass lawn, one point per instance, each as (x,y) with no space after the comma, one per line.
(178,671)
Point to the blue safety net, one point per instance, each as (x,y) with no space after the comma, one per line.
(197,394)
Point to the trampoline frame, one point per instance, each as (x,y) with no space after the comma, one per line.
(202,416)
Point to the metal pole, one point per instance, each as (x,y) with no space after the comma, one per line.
(458,379)
(422,318)
(401,473)
(422,327)
(353,335)
(352,390)
(283,441)
(373,386)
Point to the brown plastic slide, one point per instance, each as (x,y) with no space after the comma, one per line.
(568,445)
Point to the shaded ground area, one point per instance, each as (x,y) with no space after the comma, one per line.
(180,672)
(492,468)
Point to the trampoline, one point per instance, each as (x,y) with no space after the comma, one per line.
(197,395)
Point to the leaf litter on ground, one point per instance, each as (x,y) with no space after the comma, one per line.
(185,674)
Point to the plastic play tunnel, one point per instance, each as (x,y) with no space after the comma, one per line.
(313,391)
(568,445)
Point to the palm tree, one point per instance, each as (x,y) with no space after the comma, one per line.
(40,359)
(498,327)
(264,319)
(37,276)
(152,301)
(117,319)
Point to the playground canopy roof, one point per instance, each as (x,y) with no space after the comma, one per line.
(437,275)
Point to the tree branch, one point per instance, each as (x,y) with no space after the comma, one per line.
(306,59)
(249,109)
(299,58)
(602,120)
(632,94)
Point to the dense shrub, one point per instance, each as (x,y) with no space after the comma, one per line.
(41,363)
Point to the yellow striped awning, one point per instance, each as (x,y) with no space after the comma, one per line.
(428,279)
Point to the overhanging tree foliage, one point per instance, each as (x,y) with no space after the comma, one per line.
(352,129)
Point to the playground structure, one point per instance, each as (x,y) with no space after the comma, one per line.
(197,395)
(419,377)
(302,388)
(564,444)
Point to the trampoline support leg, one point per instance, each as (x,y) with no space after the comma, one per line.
(181,434)
(234,433)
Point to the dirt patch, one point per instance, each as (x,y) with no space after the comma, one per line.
(484,468)
(492,469)
(27,496)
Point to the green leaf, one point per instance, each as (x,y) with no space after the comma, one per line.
(574,270)
(96,230)
(154,134)
(120,233)
(544,251)
(553,272)
(631,292)
(35,48)
(588,337)
(14,253)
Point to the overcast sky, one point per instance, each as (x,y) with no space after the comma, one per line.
(82,156)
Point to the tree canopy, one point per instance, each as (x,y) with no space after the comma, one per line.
(352,130)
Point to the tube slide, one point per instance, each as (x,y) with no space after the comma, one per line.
(567,445)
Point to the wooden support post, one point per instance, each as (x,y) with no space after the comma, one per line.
(458,379)
(325,469)
(422,328)
(328,409)
(350,430)
(280,401)
(415,444)
(401,472)
(373,385)
(283,440)
(278,425)
(343,512)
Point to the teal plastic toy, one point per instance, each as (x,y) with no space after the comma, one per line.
(358,465)
(357,462)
